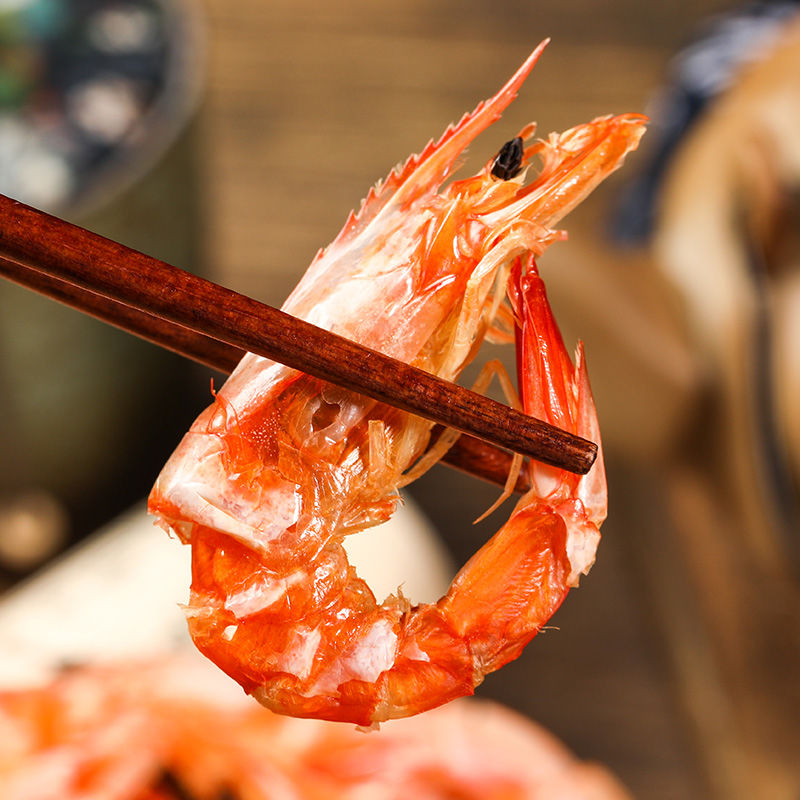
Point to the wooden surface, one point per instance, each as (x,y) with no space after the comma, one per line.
(307,106)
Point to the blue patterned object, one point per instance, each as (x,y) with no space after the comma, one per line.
(697,75)
(82,86)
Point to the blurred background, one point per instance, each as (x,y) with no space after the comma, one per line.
(233,139)
(98,110)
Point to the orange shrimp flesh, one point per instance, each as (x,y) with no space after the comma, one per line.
(174,730)
(282,466)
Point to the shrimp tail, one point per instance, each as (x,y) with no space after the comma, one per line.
(511,587)
(552,388)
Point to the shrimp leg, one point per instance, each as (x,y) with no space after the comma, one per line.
(434,454)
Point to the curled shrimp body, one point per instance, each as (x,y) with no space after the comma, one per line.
(282,466)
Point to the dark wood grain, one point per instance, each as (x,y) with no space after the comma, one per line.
(69,257)
(183,341)
(468,454)
(481,460)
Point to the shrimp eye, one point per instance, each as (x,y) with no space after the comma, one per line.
(508,162)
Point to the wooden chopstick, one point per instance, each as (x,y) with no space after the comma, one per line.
(203,349)
(81,260)
(468,454)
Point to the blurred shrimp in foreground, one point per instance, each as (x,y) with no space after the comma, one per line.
(273,476)
(179,729)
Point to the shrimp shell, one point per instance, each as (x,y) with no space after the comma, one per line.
(173,728)
(282,466)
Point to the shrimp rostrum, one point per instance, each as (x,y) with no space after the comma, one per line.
(282,466)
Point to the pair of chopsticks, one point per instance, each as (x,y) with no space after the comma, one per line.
(216,326)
